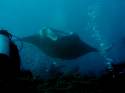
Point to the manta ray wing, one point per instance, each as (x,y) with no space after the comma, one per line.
(70,47)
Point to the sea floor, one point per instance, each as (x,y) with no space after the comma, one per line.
(109,82)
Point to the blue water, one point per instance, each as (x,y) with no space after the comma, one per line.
(27,17)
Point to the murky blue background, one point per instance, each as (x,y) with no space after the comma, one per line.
(27,17)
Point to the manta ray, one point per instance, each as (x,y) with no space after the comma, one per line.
(58,44)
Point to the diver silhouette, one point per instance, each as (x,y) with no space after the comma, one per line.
(9,57)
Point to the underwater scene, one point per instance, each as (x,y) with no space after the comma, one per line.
(62,46)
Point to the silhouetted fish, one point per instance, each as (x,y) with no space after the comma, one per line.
(65,46)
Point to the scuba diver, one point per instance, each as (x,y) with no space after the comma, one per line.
(9,57)
(59,44)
